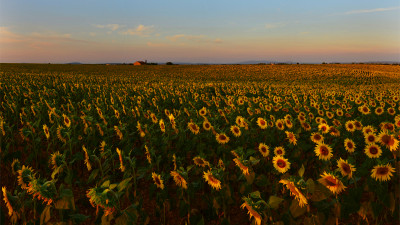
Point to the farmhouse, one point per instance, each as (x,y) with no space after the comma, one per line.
(139,63)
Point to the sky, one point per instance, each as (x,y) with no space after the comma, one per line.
(217,31)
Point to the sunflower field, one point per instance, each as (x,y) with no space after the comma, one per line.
(200,144)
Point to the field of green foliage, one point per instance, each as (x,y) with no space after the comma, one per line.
(194,144)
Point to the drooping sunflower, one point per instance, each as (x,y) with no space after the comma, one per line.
(25,175)
(15,166)
(243,168)
(56,160)
(317,137)
(67,121)
(252,213)
(332,183)
(349,125)
(387,140)
(157,180)
(294,191)
(200,162)
(291,137)
(373,151)
(382,172)
(222,138)
(264,149)
(281,164)
(193,128)
(212,180)
(323,151)
(121,162)
(345,168)
(349,145)
(7,201)
(262,123)
(279,151)
(236,130)
(87,162)
(179,180)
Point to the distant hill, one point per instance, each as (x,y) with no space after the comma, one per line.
(74,63)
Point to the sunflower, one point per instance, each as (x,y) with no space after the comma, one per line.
(211,180)
(147,153)
(153,118)
(288,123)
(87,162)
(245,169)
(317,137)
(252,213)
(349,145)
(373,151)
(206,125)
(264,149)
(334,132)
(25,176)
(281,164)
(157,180)
(389,141)
(291,137)
(193,128)
(200,162)
(162,125)
(67,121)
(122,167)
(345,168)
(350,127)
(15,166)
(306,126)
(280,124)
(222,138)
(368,129)
(364,110)
(370,138)
(236,130)
(294,191)
(7,201)
(279,151)
(379,110)
(179,180)
(332,183)
(323,127)
(56,160)
(46,131)
(391,111)
(262,123)
(382,172)
(323,151)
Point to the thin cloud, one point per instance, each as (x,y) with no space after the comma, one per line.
(371,10)
(274,25)
(193,38)
(112,27)
(140,30)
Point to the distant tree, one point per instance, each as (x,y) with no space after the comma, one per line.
(169,63)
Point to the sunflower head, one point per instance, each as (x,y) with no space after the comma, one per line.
(25,176)
(373,151)
(323,151)
(158,180)
(222,138)
(345,168)
(212,180)
(263,149)
(332,183)
(200,161)
(281,164)
(382,172)
(15,166)
(349,145)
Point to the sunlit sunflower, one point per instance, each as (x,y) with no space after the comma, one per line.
(252,213)
(387,140)
(280,124)
(222,138)
(350,127)
(236,130)
(203,111)
(324,128)
(345,168)
(368,129)
(323,151)
(291,137)
(379,110)
(262,123)
(358,125)
(179,180)
(67,121)
(382,172)
(281,164)
(87,162)
(162,125)
(7,201)
(294,191)
(317,137)
(206,125)
(370,138)
(25,175)
(288,123)
(245,169)
(157,180)
(334,132)
(373,151)
(364,109)
(46,131)
(211,180)
(306,126)
(391,111)
(332,183)
(264,149)
(279,151)
(121,162)
(193,128)
(349,145)
(200,162)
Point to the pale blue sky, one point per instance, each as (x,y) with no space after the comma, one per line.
(218,31)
